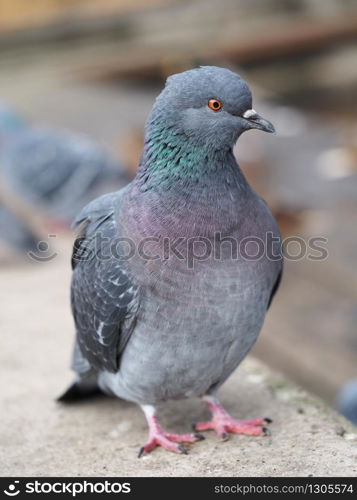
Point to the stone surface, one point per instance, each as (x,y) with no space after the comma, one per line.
(101,437)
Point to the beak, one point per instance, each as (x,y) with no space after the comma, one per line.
(256,121)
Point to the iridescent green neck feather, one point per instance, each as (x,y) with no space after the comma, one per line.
(171,160)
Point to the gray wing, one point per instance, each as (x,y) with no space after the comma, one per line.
(104,296)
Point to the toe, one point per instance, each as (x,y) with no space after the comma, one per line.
(151,445)
(203,426)
(183,438)
(256,422)
(165,443)
(250,430)
(171,445)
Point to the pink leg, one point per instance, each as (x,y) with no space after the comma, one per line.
(159,437)
(222,423)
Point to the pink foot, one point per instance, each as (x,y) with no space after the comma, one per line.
(222,423)
(168,440)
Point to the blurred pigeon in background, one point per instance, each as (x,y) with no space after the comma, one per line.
(347,401)
(10,121)
(16,233)
(164,325)
(49,174)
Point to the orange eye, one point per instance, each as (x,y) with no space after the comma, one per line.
(215,104)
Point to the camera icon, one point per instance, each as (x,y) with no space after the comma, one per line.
(12,489)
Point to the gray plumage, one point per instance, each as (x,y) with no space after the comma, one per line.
(10,121)
(49,173)
(168,325)
(15,233)
(57,172)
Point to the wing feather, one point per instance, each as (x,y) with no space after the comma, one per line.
(104,296)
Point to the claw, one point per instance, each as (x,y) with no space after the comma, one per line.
(224,436)
(266,431)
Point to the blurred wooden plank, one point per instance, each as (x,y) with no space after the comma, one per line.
(145,39)
(308,329)
(19,14)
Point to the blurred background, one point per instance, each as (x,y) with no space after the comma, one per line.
(77,80)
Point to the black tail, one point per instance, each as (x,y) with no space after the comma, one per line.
(78,390)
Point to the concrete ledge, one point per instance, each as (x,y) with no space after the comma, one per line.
(101,437)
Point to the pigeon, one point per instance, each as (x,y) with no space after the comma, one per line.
(164,305)
(347,401)
(58,171)
(11,122)
(15,232)
(49,175)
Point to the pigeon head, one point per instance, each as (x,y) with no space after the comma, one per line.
(193,126)
(210,106)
